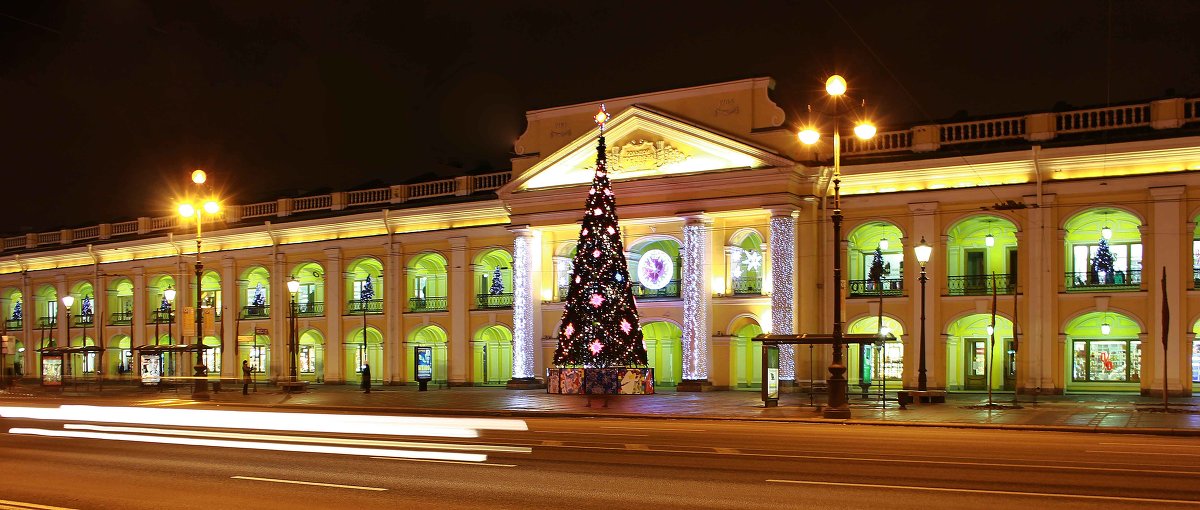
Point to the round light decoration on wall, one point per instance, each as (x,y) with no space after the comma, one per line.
(655,269)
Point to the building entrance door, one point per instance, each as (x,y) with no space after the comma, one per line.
(976,350)
(1010,366)
(975,269)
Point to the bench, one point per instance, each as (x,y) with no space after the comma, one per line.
(920,397)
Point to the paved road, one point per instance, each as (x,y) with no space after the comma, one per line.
(594,463)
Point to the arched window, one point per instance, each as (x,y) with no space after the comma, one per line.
(364,286)
(654,266)
(1104,251)
(877,245)
(493,279)
(981,254)
(427,283)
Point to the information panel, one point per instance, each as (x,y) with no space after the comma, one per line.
(52,370)
(151,368)
(770,389)
(424,364)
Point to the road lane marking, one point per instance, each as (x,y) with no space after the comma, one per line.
(653,428)
(303,439)
(17,505)
(985,491)
(492,464)
(909,461)
(254,445)
(318,484)
(1154,445)
(1146,453)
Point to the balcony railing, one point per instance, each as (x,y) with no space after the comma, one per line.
(1094,282)
(84,320)
(361,307)
(486,301)
(979,285)
(427,304)
(256,312)
(747,286)
(310,309)
(13,323)
(669,291)
(120,318)
(161,317)
(888,287)
(47,322)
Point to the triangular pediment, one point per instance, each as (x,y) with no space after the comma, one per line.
(643,143)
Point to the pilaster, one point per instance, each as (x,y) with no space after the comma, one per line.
(335,306)
(393,300)
(231,366)
(459,350)
(1166,237)
(925,225)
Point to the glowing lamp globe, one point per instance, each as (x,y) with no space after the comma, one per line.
(809,136)
(885,331)
(1106,232)
(187,210)
(835,85)
(211,207)
(169,293)
(199,176)
(864,131)
(68,300)
(989,240)
(923,252)
(883,244)
(293,286)
(1105,329)
(990,330)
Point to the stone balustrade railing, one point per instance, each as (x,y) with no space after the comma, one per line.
(337,201)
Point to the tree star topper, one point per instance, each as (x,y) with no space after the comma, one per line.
(601,118)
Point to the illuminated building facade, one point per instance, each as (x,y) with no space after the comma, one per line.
(727,211)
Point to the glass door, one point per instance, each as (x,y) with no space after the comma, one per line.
(976,354)
(1010,366)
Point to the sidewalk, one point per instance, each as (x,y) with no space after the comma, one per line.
(1076,413)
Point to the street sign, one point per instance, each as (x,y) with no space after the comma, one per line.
(770,389)
(260,331)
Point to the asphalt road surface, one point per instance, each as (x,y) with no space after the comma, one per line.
(593,463)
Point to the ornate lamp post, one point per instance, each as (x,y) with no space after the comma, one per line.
(839,407)
(188,210)
(293,286)
(923,251)
(67,301)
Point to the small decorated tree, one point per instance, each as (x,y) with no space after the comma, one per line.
(600,320)
(1102,263)
(875,274)
(367,292)
(85,307)
(497,282)
(260,297)
(16,313)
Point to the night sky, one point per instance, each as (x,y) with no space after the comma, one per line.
(107,104)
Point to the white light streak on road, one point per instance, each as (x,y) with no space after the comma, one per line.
(303,439)
(256,420)
(255,445)
(318,484)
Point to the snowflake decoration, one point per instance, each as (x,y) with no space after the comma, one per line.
(597,212)
(596,347)
(611,230)
(596,253)
(569,330)
(753,260)
(596,300)
(625,326)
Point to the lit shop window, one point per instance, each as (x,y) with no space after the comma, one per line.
(1107,361)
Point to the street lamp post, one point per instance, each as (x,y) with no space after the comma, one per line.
(188,210)
(293,286)
(169,295)
(838,406)
(67,301)
(923,251)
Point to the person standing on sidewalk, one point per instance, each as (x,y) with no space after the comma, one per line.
(366,378)
(245,377)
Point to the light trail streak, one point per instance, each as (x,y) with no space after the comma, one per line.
(302,439)
(257,420)
(255,445)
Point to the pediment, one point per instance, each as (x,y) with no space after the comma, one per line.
(643,143)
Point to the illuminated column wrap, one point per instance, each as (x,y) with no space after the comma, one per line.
(783,286)
(524,342)
(695,298)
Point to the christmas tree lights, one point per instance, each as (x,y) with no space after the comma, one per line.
(600,326)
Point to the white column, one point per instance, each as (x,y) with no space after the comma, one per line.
(696,290)
(62,326)
(335,306)
(137,324)
(458,352)
(924,226)
(280,301)
(1169,253)
(392,301)
(783,285)
(231,366)
(525,317)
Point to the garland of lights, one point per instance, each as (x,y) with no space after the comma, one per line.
(600,326)
(695,301)
(523,327)
(783,242)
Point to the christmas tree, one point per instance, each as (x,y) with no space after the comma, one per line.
(367,292)
(16,315)
(260,297)
(600,321)
(876,272)
(85,308)
(1102,262)
(497,282)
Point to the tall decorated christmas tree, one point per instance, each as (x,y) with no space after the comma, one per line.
(600,326)
(1102,263)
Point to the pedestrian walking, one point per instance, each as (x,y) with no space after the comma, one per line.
(366,378)
(245,377)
